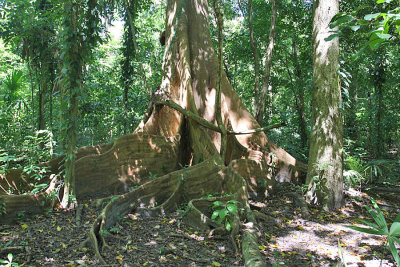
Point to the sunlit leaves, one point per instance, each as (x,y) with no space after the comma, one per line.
(380,228)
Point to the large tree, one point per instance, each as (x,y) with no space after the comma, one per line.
(180,140)
(325,165)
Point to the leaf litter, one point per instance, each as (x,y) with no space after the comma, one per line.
(55,239)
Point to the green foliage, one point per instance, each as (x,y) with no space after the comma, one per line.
(352,178)
(385,23)
(12,86)
(318,183)
(9,261)
(380,227)
(375,168)
(153,176)
(104,233)
(115,230)
(225,212)
(352,173)
(34,150)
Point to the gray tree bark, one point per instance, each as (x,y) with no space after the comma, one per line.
(325,166)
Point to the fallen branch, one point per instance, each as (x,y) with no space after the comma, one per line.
(251,253)
(266,128)
(205,123)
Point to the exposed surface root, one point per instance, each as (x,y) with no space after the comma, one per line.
(251,253)
(199,186)
(126,163)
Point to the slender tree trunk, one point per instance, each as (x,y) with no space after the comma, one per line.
(139,60)
(32,95)
(379,79)
(126,91)
(266,95)
(299,96)
(129,52)
(74,77)
(350,122)
(325,166)
(255,55)
(42,93)
(218,114)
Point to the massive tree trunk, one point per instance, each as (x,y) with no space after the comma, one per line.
(180,129)
(325,165)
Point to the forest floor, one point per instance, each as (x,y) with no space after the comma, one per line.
(54,239)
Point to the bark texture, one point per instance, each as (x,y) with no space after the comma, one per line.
(325,167)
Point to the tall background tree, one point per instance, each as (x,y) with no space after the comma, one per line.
(325,162)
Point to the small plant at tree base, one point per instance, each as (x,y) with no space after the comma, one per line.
(224,212)
(104,233)
(380,227)
(317,191)
(152,176)
(8,262)
(115,230)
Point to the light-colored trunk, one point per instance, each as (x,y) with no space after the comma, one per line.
(325,166)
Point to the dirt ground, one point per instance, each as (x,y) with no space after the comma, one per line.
(55,238)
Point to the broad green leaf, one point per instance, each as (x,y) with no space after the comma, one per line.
(222,214)
(364,230)
(228,226)
(397,218)
(217,204)
(355,27)
(395,229)
(394,251)
(232,208)
(381,219)
(214,215)
(341,20)
(372,225)
(374,44)
(370,17)
(383,1)
(384,36)
(329,38)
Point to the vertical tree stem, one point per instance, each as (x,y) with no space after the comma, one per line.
(218,114)
(130,20)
